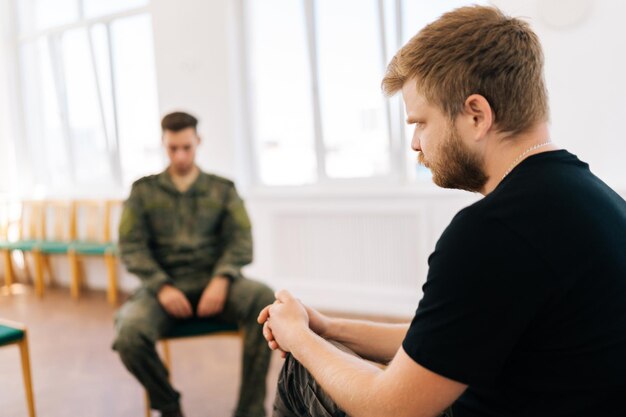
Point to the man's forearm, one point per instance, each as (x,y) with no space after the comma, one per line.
(350,381)
(140,263)
(377,342)
(403,389)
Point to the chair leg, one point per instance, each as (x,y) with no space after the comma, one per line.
(167,358)
(39,284)
(28,384)
(112,274)
(8,269)
(148,412)
(48,270)
(74,274)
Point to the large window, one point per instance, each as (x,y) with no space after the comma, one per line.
(314,72)
(88,90)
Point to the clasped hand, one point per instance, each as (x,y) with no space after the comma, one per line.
(285,319)
(211,302)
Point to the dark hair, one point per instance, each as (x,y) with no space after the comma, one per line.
(476,50)
(177,121)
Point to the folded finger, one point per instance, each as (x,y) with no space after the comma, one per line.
(263,315)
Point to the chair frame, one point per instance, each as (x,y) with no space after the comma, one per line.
(25,359)
(36,230)
(41,258)
(167,357)
(110,259)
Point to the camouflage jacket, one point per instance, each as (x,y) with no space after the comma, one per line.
(167,236)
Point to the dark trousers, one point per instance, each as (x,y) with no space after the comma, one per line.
(142,321)
(299,395)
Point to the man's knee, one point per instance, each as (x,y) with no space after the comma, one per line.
(254,294)
(131,342)
(299,394)
(265,295)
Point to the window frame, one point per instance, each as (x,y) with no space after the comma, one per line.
(393,107)
(53,36)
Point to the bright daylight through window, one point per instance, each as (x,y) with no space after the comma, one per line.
(88,91)
(314,72)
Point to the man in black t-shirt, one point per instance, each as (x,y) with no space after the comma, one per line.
(524,307)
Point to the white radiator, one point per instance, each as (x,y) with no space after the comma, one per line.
(357,261)
(357,254)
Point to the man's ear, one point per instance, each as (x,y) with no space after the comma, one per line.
(477,116)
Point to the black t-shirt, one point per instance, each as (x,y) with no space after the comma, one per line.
(525,299)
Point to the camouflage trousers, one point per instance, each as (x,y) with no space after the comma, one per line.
(299,395)
(141,321)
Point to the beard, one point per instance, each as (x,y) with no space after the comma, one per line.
(456,166)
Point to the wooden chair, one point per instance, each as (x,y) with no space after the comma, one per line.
(57,224)
(192,328)
(4,242)
(12,333)
(94,237)
(30,232)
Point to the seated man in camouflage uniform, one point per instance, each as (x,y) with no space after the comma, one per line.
(186,235)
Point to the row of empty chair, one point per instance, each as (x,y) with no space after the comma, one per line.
(74,228)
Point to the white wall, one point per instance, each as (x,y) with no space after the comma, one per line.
(585,48)
(195,57)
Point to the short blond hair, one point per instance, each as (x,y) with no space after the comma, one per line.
(476,50)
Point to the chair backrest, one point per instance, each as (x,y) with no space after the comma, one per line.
(114,208)
(58,220)
(31,223)
(95,220)
(10,220)
(4,221)
(90,220)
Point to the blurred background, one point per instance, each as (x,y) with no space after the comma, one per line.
(289,101)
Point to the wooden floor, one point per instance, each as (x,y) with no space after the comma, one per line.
(75,372)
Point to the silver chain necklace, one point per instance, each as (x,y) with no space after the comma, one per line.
(519,158)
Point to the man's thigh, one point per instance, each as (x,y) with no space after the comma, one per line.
(246,298)
(144,314)
(298,393)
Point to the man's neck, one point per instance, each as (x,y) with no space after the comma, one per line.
(183,182)
(503,154)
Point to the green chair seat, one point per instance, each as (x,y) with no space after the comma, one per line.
(199,327)
(24,245)
(10,335)
(53,246)
(91,248)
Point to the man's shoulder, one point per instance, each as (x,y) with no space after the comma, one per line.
(217,179)
(470,215)
(215,185)
(146,181)
(472,225)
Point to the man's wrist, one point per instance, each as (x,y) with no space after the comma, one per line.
(157,288)
(302,335)
(332,330)
(229,271)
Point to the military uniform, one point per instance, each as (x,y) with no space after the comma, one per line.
(185,239)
